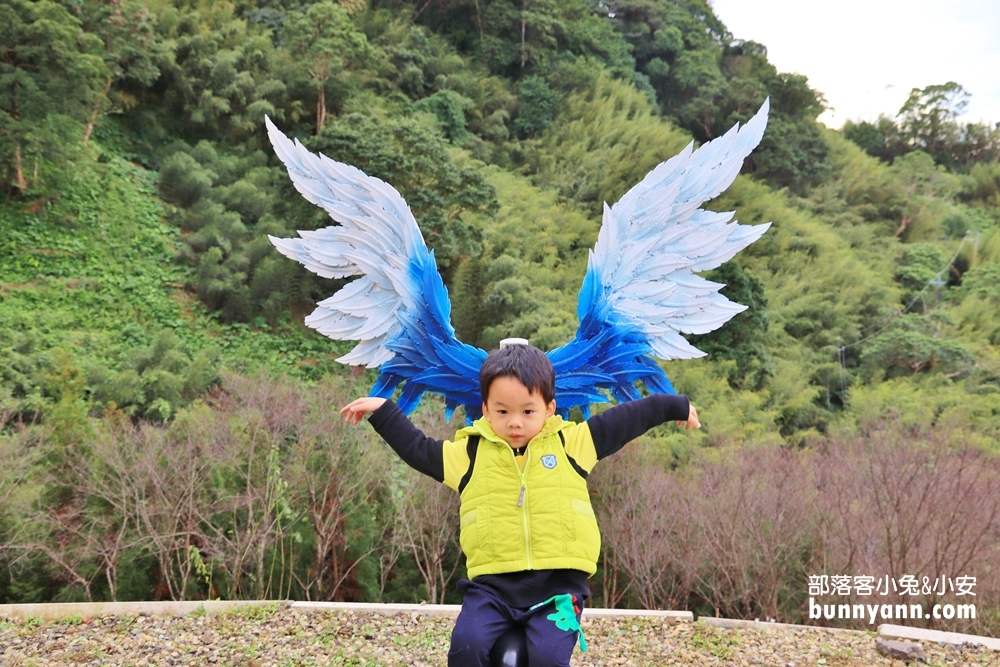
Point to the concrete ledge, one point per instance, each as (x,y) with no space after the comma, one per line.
(937,636)
(53,611)
(59,610)
(384,609)
(670,616)
(453,609)
(763,625)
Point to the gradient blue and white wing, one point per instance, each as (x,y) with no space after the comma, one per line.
(641,291)
(397,309)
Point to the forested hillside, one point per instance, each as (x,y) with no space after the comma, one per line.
(169,425)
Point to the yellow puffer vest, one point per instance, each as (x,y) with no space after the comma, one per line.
(540,519)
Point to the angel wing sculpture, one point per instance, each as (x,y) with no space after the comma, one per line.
(640,293)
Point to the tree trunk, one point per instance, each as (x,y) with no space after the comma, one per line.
(421,10)
(524,27)
(320,109)
(93,114)
(19,170)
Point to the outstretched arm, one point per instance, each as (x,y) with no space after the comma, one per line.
(420,452)
(618,425)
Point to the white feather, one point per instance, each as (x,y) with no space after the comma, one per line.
(377,239)
(656,235)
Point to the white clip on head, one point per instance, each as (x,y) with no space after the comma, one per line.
(513,341)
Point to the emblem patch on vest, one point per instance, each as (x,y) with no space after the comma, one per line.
(549,461)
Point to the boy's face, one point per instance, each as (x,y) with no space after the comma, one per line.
(514,413)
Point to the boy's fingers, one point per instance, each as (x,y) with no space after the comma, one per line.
(349,406)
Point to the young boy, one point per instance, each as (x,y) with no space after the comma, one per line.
(527,526)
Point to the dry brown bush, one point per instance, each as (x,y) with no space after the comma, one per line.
(427,515)
(220,498)
(336,470)
(647,526)
(753,534)
(740,530)
(900,500)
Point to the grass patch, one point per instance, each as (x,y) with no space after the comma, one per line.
(719,643)
(33,622)
(251,612)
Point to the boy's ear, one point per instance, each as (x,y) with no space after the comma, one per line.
(486,411)
(550,409)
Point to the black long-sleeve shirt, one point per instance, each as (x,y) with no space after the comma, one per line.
(610,430)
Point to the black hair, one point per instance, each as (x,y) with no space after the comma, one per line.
(527,363)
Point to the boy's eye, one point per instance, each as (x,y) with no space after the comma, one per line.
(528,412)
(503,412)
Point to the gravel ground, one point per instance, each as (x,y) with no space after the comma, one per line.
(272,637)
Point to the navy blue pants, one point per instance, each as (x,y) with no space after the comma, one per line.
(484,617)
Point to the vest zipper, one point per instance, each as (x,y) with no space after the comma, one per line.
(523,504)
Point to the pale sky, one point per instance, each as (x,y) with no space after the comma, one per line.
(866,55)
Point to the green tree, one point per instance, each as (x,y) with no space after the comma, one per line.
(696,75)
(515,38)
(922,190)
(678,48)
(879,139)
(228,208)
(156,381)
(983,281)
(928,122)
(538,102)
(792,154)
(979,144)
(915,343)
(324,41)
(449,108)
(52,75)
(927,118)
(922,264)
(707,81)
(223,78)
(132,53)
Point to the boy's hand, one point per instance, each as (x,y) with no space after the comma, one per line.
(356,410)
(692,420)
